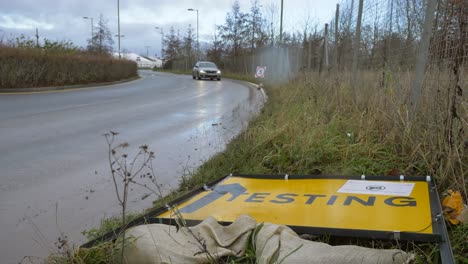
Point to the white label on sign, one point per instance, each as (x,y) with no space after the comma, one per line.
(377,187)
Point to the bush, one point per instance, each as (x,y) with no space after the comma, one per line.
(39,67)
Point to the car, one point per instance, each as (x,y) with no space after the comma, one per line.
(206,69)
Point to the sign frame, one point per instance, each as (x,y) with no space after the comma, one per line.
(439,234)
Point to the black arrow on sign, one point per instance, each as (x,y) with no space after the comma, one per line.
(234,189)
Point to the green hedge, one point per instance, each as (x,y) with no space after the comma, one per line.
(22,68)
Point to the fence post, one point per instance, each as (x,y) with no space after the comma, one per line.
(421,59)
(325,46)
(337,15)
(324,64)
(309,53)
(387,42)
(357,42)
(350,18)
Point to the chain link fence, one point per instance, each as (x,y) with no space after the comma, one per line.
(413,55)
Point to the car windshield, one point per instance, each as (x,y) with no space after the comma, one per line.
(208,65)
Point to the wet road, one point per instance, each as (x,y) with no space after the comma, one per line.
(54,173)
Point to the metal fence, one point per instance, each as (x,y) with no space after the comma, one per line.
(415,54)
(426,38)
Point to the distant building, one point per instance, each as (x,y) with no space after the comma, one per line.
(142,61)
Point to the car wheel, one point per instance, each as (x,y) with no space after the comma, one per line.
(193,77)
(199,78)
(219,79)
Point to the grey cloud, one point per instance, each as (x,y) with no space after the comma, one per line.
(138,17)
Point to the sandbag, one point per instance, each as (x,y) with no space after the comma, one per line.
(280,244)
(158,243)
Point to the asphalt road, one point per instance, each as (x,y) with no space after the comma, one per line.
(54,171)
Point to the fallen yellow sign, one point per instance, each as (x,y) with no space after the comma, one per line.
(326,203)
(376,207)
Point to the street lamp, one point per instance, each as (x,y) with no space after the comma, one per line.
(147,48)
(253,23)
(120,36)
(198,42)
(92,29)
(281,24)
(118,24)
(162,40)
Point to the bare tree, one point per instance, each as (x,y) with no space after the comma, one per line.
(102,39)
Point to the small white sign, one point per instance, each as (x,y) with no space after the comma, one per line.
(377,187)
(260,72)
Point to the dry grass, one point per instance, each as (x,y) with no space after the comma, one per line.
(312,125)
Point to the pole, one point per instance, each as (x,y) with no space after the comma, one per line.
(337,15)
(281,23)
(147,47)
(162,43)
(254,13)
(162,40)
(92,31)
(253,35)
(198,40)
(118,24)
(309,53)
(351,14)
(357,41)
(421,58)
(37,38)
(324,59)
(325,47)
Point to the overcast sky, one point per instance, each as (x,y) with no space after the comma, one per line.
(63,19)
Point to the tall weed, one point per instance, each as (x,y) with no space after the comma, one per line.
(312,125)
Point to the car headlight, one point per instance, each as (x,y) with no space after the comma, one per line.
(218,72)
(202,71)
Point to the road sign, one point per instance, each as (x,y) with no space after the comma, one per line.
(260,72)
(377,207)
(326,203)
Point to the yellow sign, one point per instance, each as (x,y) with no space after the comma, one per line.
(324,203)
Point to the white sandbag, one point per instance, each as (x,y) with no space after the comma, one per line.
(158,243)
(279,244)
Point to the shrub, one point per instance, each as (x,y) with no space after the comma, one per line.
(54,65)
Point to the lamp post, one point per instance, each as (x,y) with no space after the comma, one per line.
(120,36)
(92,28)
(255,10)
(118,25)
(162,40)
(198,42)
(147,48)
(281,24)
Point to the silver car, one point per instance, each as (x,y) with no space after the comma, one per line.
(206,69)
